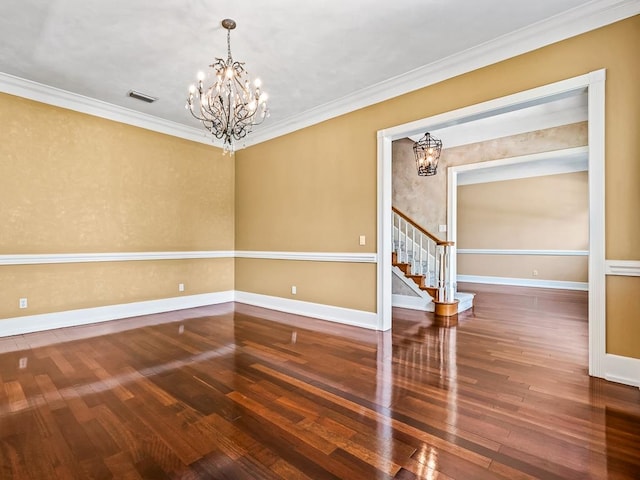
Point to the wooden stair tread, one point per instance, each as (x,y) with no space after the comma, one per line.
(418,279)
(405,267)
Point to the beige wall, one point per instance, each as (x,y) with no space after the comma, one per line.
(348,285)
(300,193)
(73,183)
(550,212)
(60,287)
(623,336)
(315,189)
(539,213)
(557,268)
(424,199)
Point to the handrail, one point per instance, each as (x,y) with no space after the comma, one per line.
(425,259)
(422,230)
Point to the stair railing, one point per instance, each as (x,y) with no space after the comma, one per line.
(426,254)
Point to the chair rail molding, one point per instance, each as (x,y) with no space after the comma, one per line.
(46,258)
(627,268)
(507,251)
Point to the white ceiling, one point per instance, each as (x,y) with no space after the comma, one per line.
(308,54)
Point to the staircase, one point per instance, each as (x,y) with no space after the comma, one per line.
(424,262)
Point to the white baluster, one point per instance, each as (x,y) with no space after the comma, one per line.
(406,242)
(420,256)
(396,233)
(431,262)
(413,250)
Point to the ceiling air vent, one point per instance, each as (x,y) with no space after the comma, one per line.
(142,96)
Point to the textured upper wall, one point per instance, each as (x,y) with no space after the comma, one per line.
(72,182)
(312,190)
(424,199)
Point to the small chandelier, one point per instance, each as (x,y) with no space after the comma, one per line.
(232,105)
(427,152)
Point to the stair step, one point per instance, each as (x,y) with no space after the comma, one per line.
(405,267)
(432,291)
(419,279)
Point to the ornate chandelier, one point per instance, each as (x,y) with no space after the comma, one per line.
(232,105)
(427,152)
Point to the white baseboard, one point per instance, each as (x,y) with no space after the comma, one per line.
(413,303)
(524,282)
(342,315)
(624,370)
(85,316)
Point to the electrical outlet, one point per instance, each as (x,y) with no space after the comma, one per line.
(23,303)
(181,287)
(294,290)
(363,240)
(22,363)
(535,273)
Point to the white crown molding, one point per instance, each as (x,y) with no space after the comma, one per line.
(346,316)
(85,316)
(506,251)
(311,256)
(33,259)
(579,20)
(524,282)
(627,268)
(584,18)
(62,98)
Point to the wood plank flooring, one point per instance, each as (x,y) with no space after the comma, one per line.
(238,392)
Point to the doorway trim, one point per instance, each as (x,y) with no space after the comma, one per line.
(594,84)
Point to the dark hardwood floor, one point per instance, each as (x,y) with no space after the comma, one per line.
(239,392)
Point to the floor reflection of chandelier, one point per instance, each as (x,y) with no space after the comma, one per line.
(233,105)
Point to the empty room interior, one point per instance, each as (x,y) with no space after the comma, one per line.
(410,250)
